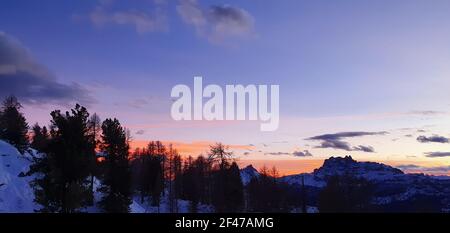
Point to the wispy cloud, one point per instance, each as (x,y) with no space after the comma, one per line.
(426,112)
(140,132)
(277,153)
(412,168)
(367,149)
(154,18)
(218,22)
(304,153)
(279,142)
(21,75)
(437,154)
(138,103)
(434,138)
(335,140)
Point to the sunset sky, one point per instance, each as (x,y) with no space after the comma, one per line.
(369,79)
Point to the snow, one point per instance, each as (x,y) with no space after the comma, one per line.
(16,195)
(183,206)
(309,180)
(309,209)
(136,208)
(248,173)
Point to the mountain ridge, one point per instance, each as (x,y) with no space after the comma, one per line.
(394,190)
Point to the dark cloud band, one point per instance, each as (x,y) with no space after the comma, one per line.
(335,141)
(304,153)
(31,82)
(434,138)
(437,154)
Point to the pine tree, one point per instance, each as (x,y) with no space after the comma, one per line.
(203,169)
(265,193)
(220,156)
(147,167)
(94,130)
(178,179)
(40,138)
(139,172)
(345,193)
(157,187)
(116,186)
(234,189)
(13,125)
(190,184)
(63,186)
(173,177)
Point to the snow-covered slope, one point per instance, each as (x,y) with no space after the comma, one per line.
(248,173)
(16,195)
(336,166)
(348,166)
(180,206)
(309,179)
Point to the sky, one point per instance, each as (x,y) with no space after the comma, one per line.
(368,79)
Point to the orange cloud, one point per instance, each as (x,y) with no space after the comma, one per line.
(184,148)
(184,124)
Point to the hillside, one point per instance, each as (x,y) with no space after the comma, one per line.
(16,195)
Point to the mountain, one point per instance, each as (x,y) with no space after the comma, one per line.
(248,173)
(337,166)
(393,190)
(347,165)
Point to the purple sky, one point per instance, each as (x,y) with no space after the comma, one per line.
(347,66)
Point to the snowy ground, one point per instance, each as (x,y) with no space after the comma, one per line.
(183,206)
(16,195)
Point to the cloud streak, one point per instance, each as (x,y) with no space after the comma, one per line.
(277,153)
(304,153)
(218,22)
(140,132)
(335,141)
(367,149)
(150,20)
(412,168)
(434,138)
(426,112)
(437,154)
